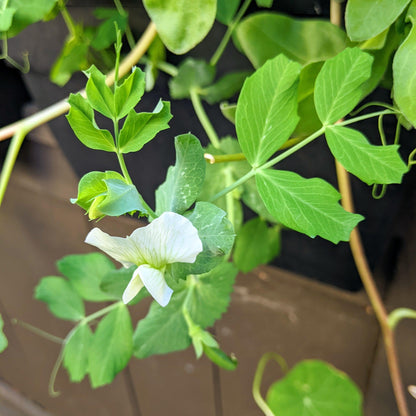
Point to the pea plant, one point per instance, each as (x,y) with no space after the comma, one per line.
(309,77)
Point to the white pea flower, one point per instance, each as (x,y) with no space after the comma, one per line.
(170,238)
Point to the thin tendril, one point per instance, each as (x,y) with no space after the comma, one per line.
(381,129)
(379,195)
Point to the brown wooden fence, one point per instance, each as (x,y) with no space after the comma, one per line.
(271,310)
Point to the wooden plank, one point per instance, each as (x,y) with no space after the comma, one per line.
(299,319)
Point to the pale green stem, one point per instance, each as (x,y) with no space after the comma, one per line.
(398,314)
(229,198)
(70,24)
(203,118)
(100,313)
(162,65)
(366,116)
(235,185)
(51,387)
(13,151)
(223,44)
(236,157)
(129,34)
(258,398)
(38,331)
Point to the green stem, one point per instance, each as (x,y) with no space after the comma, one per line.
(38,331)
(258,376)
(235,185)
(398,314)
(54,373)
(162,65)
(366,116)
(236,157)
(229,198)
(13,151)
(70,24)
(129,34)
(99,313)
(124,168)
(203,118)
(221,47)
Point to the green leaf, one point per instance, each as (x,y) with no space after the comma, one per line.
(111,346)
(255,244)
(3,339)
(217,235)
(314,388)
(140,128)
(129,93)
(265,35)
(184,180)
(81,120)
(165,330)
(25,16)
(226,9)
(181,24)
(228,111)
(266,109)
(338,84)
(225,87)
(91,186)
(372,164)
(62,299)
(99,93)
(73,58)
(309,206)
(106,32)
(76,351)
(264,3)
(85,272)
(156,54)
(404,76)
(115,282)
(122,198)
(192,74)
(365,19)
(6,17)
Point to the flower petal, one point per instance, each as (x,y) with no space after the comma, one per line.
(155,283)
(121,249)
(133,288)
(168,239)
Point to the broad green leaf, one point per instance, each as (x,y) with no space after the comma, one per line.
(111,346)
(140,128)
(62,299)
(85,272)
(3,339)
(25,16)
(81,120)
(226,9)
(372,164)
(99,93)
(73,58)
(129,93)
(115,282)
(228,111)
(266,109)
(309,206)
(264,35)
(255,244)
(192,74)
(165,330)
(106,32)
(264,3)
(184,180)
(365,19)
(225,87)
(338,86)
(76,351)
(376,42)
(6,17)
(404,76)
(122,198)
(315,388)
(217,235)
(182,24)
(91,186)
